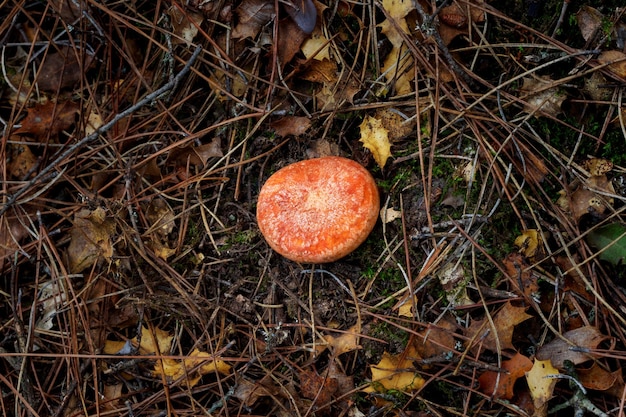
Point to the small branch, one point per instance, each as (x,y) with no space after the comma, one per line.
(155,95)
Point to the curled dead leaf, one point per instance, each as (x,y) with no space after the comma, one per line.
(560,350)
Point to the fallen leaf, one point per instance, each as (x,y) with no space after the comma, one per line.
(154,341)
(291,126)
(191,369)
(398,64)
(317,46)
(437,339)
(504,321)
(346,342)
(616,61)
(185,24)
(160,217)
(499,385)
(21,162)
(541,98)
(290,38)
(519,272)
(589,21)
(90,239)
(253,15)
(558,350)
(529,243)
(48,119)
(375,137)
(112,396)
(61,69)
(249,392)
(396,372)
(590,198)
(316,387)
(397,125)
(598,166)
(196,155)
(596,377)
(541,385)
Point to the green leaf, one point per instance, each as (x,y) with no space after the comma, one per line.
(611,240)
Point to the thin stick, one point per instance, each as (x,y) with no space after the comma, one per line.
(171,85)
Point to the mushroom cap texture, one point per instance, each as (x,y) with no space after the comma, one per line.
(318,210)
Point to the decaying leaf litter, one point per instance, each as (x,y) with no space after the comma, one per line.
(136,137)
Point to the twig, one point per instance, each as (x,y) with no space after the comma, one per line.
(171,85)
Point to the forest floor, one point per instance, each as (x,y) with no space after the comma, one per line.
(136,135)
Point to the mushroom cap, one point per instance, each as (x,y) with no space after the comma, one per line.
(318,210)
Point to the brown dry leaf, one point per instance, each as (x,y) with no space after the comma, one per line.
(375,137)
(505,321)
(90,239)
(541,98)
(558,350)
(529,243)
(253,15)
(12,232)
(324,72)
(48,119)
(598,166)
(191,369)
(616,61)
(161,217)
(112,396)
(196,155)
(395,123)
(454,20)
(185,24)
(437,340)
(21,162)
(518,270)
(69,10)
(290,38)
(396,372)
(499,385)
(584,200)
(589,21)
(398,64)
(249,392)
(60,69)
(596,377)
(541,386)
(316,387)
(291,126)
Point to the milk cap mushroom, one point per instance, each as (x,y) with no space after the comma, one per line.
(318,210)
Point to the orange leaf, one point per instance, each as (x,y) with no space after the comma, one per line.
(499,385)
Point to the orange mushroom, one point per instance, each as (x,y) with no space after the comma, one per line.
(318,210)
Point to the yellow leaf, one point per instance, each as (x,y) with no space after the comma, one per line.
(192,368)
(316,46)
(346,342)
(395,372)
(528,242)
(398,63)
(375,137)
(151,339)
(540,385)
(406,309)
